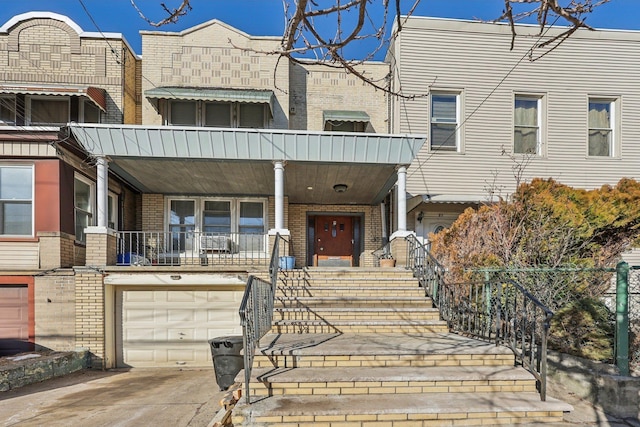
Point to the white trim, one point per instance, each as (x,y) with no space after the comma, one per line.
(55,98)
(33,197)
(92,202)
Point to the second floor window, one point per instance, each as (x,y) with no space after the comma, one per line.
(601,134)
(16,200)
(217,114)
(526,120)
(445,119)
(46,110)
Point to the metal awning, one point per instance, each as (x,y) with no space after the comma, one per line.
(460,199)
(345,116)
(95,95)
(223,161)
(254,96)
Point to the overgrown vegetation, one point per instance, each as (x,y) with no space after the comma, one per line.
(557,241)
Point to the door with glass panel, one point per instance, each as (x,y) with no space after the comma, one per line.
(182,221)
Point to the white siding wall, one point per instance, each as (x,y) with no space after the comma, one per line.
(474,58)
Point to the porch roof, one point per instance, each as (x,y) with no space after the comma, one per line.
(197,160)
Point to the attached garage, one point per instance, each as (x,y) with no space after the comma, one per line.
(14,319)
(169,326)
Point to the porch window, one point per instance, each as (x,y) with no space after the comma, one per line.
(182,220)
(251,226)
(84,201)
(183,113)
(91,113)
(216,217)
(8,110)
(48,111)
(16,200)
(217,114)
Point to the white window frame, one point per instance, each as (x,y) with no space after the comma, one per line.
(29,119)
(540,121)
(92,205)
(32,200)
(112,217)
(458,123)
(614,142)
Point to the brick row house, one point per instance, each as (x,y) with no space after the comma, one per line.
(169,201)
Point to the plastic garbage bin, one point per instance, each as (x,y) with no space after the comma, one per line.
(227,360)
(287,262)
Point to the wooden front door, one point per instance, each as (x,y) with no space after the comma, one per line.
(334,236)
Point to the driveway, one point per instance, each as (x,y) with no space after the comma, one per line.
(138,397)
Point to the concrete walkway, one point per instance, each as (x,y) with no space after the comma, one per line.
(140,397)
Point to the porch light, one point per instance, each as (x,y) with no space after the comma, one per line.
(340,188)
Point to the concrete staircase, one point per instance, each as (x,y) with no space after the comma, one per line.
(366,348)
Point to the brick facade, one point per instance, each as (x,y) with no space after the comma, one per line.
(55,311)
(89,315)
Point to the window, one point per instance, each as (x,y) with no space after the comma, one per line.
(601,134)
(84,200)
(444,121)
(526,120)
(48,111)
(216,217)
(16,200)
(8,110)
(112,211)
(91,113)
(182,220)
(217,114)
(337,126)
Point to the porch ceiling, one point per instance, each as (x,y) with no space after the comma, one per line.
(187,160)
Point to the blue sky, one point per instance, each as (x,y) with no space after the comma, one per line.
(265,17)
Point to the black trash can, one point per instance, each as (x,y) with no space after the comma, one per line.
(227,360)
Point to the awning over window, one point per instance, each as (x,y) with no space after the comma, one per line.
(93,94)
(254,96)
(460,199)
(345,116)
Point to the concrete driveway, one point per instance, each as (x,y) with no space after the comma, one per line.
(139,397)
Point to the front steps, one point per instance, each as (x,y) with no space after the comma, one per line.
(320,369)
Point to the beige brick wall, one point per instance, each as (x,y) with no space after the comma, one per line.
(102,249)
(213,55)
(314,89)
(55,311)
(152,212)
(298,228)
(89,315)
(59,249)
(48,51)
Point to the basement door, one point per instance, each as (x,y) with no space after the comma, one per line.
(334,240)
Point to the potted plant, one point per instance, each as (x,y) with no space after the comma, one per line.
(387,260)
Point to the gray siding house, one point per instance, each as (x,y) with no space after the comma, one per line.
(495,117)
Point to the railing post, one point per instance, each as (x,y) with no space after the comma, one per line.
(622,318)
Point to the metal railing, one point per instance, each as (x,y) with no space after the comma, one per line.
(190,248)
(501,311)
(256,311)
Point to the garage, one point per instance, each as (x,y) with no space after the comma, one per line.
(14,319)
(169,327)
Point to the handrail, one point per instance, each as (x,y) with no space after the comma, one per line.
(256,312)
(501,311)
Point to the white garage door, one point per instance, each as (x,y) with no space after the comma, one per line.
(171,327)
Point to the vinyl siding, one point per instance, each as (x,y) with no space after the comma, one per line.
(474,58)
(18,255)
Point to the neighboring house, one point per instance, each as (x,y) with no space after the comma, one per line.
(53,73)
(233,147)
(492,115)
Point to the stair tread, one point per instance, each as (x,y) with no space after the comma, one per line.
(356,298)
(435,403)
(400,373)
(360,309)
(375,344)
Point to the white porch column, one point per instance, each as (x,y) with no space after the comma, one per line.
(401,206)
(278,169)
(402,199)
(102,192)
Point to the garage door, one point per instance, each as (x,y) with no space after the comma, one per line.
(171,327)
(14,319)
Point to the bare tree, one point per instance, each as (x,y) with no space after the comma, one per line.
(319,31)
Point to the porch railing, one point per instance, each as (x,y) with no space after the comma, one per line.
(500,311)
(256,311)
(190,248)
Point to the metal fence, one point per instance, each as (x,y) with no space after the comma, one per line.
(143,248)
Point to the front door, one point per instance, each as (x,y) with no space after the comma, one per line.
(334,240)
